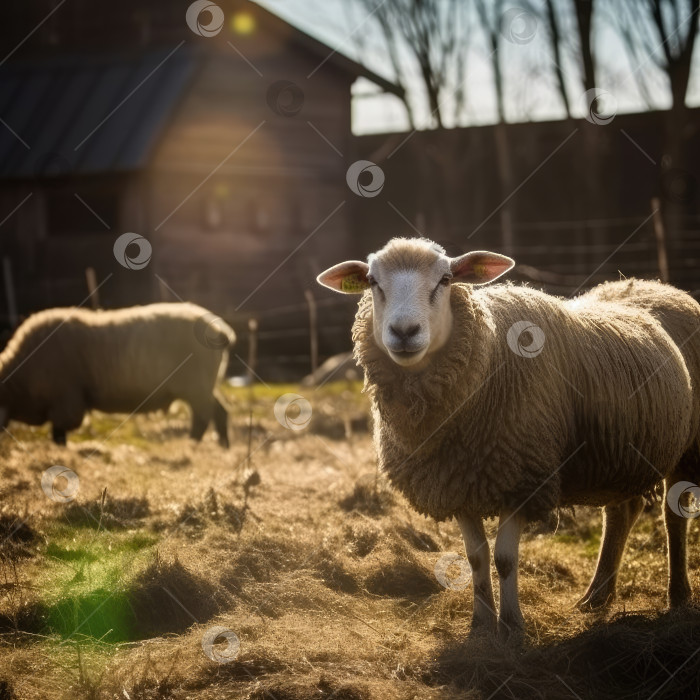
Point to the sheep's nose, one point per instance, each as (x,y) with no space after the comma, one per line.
(405,332)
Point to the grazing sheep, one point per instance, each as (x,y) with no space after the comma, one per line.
(679,314)
(507,401)
(61,363)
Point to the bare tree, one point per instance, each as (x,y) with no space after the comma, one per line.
(490,12)
(576,15)
(555,39)
(677,34)
(584,21)
(428,38)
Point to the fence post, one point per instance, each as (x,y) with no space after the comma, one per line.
(91,279)
(660,233)
(252,348)
(313,328)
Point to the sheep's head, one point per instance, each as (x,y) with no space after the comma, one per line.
(410,281)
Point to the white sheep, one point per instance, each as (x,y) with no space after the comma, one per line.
(63,362)
(506,401)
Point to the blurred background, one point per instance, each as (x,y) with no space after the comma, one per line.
(247,146)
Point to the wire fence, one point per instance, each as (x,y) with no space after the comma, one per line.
(560,257)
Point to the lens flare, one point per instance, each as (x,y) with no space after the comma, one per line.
(243,23)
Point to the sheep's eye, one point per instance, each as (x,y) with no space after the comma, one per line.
(375,287)
(445,280)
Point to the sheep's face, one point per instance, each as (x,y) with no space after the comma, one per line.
(412,315)
(410,281)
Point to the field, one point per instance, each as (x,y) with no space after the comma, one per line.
(293,542)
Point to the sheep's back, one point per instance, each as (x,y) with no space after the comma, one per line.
(609,393)
(677,312)
(115,359)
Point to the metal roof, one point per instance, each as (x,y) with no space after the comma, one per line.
(77,116)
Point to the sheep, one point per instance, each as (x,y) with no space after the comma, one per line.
(63,362)
(679,314)
(506,401)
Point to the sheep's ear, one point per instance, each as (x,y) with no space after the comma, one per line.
(347,277)
(480,267)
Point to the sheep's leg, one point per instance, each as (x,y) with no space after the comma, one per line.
(66,414)
(478,554)
(221,422)
(199,426)
(202,412)
(679,591)
(617,522)
(59,435)
(505,556)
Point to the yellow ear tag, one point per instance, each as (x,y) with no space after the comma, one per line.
(480,270)
(353,283)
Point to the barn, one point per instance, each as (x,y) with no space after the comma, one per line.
(218,136)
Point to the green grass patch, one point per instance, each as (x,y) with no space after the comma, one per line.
(79,563)
(262,397)
(160,598)
(591,545)
(111,428)
(111,587)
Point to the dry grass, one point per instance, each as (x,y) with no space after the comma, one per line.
(323,573)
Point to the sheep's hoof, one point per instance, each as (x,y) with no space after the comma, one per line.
(595,602)
(483,626)
(510,630)
(679,596)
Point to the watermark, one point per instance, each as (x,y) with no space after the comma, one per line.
(359,168)
(292,411)
(689,494)
(285,98)
(599,106)
(60,484)
(213,18)
(217,653)
(453,561)
(678,185)
(212,331)
(525,339)
(518,26)
(138,261)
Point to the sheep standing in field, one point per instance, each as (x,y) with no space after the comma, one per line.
(61,363)
(505,401)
